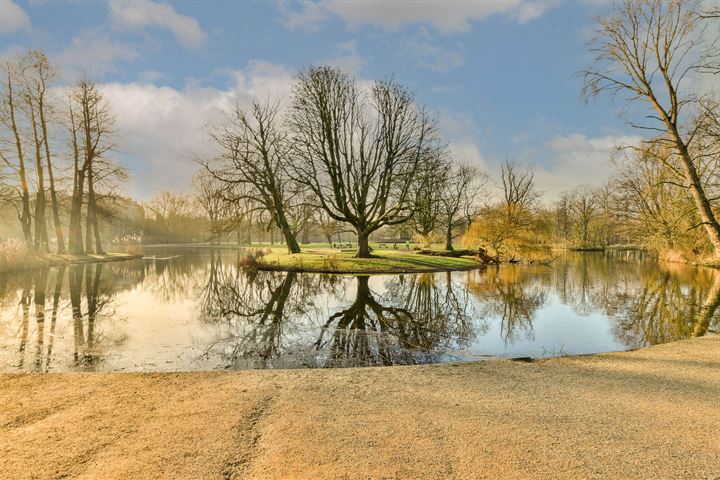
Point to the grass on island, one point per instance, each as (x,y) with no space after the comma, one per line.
(382,261)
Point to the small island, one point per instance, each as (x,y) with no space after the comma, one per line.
(327,260)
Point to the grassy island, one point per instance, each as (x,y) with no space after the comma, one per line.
(325,260)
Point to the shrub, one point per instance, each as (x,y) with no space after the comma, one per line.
(14,255)
(331,263)
(251,258)
(130,244)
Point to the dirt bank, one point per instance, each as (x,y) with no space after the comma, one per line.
(652,413)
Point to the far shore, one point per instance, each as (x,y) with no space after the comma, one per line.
(34,261)
(648,413)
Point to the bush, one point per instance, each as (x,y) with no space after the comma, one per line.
(252,259)
(331,263)
(130,244)
(14,255)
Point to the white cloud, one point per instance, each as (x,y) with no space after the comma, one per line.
(447,16)
(92,52)
(138,14)
(579,160)
(13,17)
(531,10)
(161,128)
(347,58)
(308,17)
(150,76)
(428,54)
(461,133)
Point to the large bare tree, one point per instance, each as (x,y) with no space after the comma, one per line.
(458,199)
(648,50)
(12,150)
(92,136)
(432,182)
(254,152)
(360,151)
(38,75)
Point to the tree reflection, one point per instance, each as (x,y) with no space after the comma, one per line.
(512,294)
(650,302)
(87,340)
(414,322)
(665,309)
(254,307)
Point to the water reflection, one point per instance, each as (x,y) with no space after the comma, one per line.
(412,323)
(200,311)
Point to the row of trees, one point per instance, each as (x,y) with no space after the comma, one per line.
(54,141)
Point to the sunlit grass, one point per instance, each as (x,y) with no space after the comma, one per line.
(382,261)
(15,256)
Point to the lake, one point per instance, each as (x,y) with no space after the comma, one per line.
(196,310)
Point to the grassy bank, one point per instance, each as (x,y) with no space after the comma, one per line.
(650,413)
(383,261)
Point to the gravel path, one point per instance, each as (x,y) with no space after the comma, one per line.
(653,413)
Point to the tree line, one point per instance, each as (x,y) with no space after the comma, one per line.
(54,148)
(342,157)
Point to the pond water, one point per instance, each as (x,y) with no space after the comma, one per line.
(199,311)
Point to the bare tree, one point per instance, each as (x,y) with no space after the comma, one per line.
(650,204)
(359,151)
(429,188)
(209,195)
(584,207)
(91,128)
(512,218)
(458,199)
(37,75)
(254,152)
(647,49)
(41,237)
(328,225)
(10,120)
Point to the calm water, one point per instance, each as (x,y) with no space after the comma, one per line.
(198,311)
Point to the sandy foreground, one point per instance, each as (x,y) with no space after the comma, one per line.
(651,414)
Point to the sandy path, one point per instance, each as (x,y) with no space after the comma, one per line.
(653,413)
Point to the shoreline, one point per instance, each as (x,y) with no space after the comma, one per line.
(611,415)
(55,260)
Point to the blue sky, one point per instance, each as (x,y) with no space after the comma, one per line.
(500,75)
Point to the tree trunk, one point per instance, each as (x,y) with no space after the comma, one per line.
(707,216)
(75,228)
(290,241)
(75,240)
(88,230)
(25,217)
(41,237)
(363,239)
(92,216)
(51,178)
(712,302)
(88,216)
(449,238)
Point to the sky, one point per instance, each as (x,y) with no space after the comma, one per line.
(501,76)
